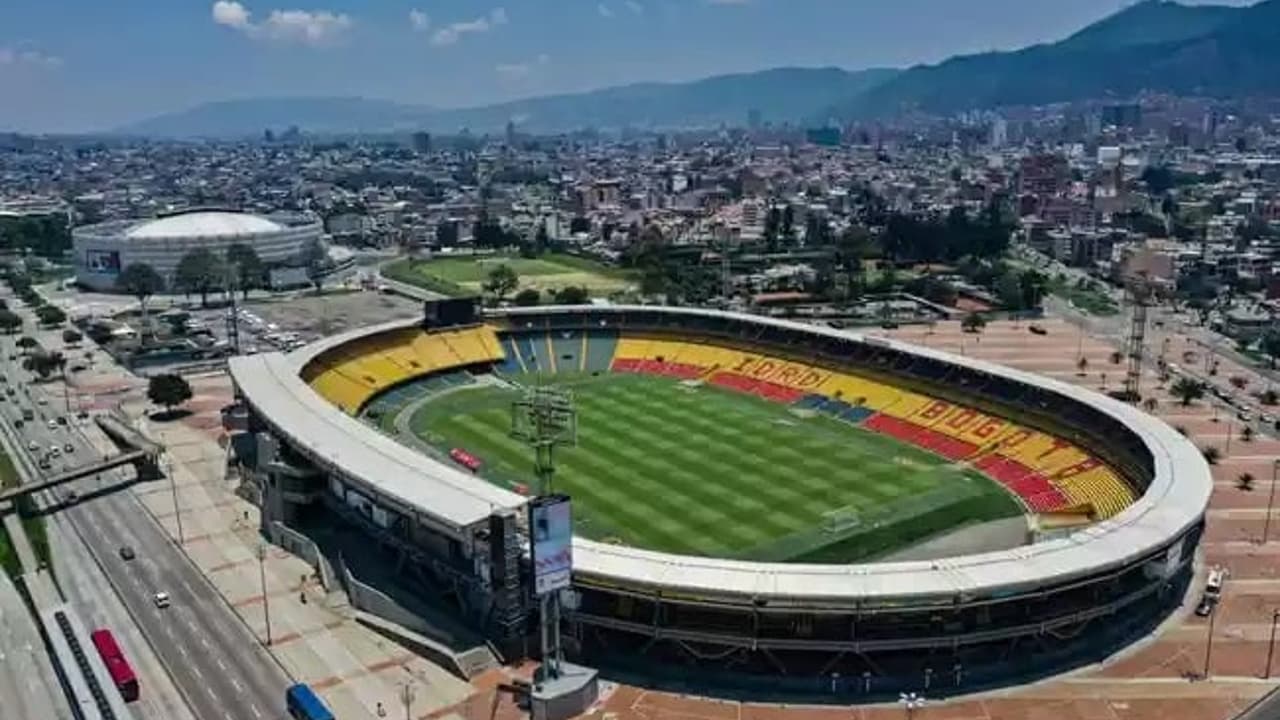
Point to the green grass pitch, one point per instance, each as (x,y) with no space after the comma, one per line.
(705,471)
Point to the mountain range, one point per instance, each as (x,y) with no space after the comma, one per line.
(1154,45)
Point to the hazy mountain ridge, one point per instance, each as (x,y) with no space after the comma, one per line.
(1215,51)
(779,94)
(1154,45)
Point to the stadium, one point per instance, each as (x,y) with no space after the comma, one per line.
(101,251)
(752,497)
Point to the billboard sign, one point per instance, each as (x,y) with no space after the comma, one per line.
(103,261)
(551,533)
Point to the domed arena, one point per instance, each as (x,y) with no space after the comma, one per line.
(102,251)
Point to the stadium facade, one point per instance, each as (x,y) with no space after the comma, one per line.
(102,251)
(942,626)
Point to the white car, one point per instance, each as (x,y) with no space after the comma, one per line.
(161,600)
(53,425)
(33,446)
(42,400)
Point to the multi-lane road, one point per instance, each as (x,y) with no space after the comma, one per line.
(214,660)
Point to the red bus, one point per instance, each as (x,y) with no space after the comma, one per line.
(465,459)
(121,673)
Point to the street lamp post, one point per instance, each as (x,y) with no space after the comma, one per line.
(173,487)
(262,574)
(1271,644)
(911,701)
(406,698)
(1208,648)
(1271,499)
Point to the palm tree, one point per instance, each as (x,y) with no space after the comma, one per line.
(1246,434)
(1244,481)
(1187,390)
(1081,365)
(1150,404)
(1211,455)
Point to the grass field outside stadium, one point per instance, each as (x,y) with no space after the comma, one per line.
(698,470)
(553,271)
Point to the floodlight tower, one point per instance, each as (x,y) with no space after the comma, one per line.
(543,418)
(1139,290)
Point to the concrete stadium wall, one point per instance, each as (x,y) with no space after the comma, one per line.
(302,546)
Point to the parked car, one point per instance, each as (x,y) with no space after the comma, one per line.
(126,553)
(161,600)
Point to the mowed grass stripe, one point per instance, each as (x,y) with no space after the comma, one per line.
(581,473)
(776,458)
(677,467)
(604,499)
(693,470)
(754,476)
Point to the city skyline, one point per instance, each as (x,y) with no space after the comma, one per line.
(118,65)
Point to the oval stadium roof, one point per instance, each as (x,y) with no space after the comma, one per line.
(204,224)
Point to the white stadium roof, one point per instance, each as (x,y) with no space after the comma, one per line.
(1174,501)
(204,224)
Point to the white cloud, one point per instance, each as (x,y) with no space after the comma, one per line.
(14,57)
(635,7)
(604,10)
(319,27)
(452,33)
(309,27)
(232,14)
(521,70)
(419,21)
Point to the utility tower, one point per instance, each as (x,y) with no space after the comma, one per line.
(1139,291)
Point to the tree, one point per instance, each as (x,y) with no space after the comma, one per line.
(44,364)
(141,281)
(71,336)
(26,342)
(50,315)
(10,322)
(1244,481)
(579,224)
(527,297)
(1211,455)
(973,322)
(1116,357)
(316,260)
(1150,404)
(1271,346)
(1269,397)
(1246,435)
(573,295)
(1187,390)
(168,390)
(1081,365)
(212,273)
(246,266)
(502,281)
(1238,382)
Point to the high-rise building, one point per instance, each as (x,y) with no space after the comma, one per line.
(1044,176)
(1122,115)
(753,119)
(422,142)
(999,132)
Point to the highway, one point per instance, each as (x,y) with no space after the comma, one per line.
(28,685)
(214,660)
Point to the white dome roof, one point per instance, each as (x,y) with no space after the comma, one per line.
(204,224)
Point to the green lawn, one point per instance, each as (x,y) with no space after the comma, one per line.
(710,472)
(457,275)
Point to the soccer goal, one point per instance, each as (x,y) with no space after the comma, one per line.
(840,520)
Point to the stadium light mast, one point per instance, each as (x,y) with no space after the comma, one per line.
(1139,289)
(543,418)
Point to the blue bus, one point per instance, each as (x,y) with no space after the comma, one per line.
(303,704)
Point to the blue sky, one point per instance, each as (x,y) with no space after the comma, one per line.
(74,65)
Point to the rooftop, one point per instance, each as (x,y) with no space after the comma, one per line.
(204,224)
